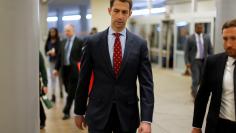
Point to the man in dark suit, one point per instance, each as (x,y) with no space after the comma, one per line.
(198,47)
(117,57)
(43,89)
(219,80)
(69,55)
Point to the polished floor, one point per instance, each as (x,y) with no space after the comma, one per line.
(173,106)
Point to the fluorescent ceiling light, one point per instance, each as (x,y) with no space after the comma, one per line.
(73,17)
(183,23)
(52,19)
(88,16)
(140,12)
(158,10)
(146,11)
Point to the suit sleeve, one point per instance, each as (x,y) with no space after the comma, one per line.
(57,47)
(146,85)
(80,49)
(202,98)
(42,69)
(210,48)
(59,57)
(186,51)
(81,95)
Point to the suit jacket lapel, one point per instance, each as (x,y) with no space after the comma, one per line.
(63,51)
(205,45)
(195,42)
(73,46)
(221,69)
(128,47)
(105,52)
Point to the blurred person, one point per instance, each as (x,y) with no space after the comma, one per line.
(51,50)
(219,80)
(42,89)
(118,58)
(93,31)
(197,49)
(69,55)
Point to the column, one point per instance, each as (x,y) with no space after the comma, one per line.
(83,21)
(194,6)
(225,10)
(100,17)
(59,21)
(43,13)
(19,98)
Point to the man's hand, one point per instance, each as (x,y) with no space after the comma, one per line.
(188,65)
(45,90)
(52,53)
(144,128)
(80,122)
(196,130)
(55,73)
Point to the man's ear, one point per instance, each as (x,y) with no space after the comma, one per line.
(130,13)
(109,10)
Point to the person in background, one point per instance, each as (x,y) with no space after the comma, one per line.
(197,49)
(219,81)
(93,31)
(51,50)
(43,89)
(69,56)
(118,58)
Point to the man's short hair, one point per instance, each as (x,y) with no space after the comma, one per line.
(229,24)
(197,24)
(128,1)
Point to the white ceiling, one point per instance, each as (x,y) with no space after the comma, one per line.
(68,2)
(66,5)
(74,4)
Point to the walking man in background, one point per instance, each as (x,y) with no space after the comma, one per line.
(69,55)
(198,47)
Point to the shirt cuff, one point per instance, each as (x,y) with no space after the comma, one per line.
(75,115)
(147,122)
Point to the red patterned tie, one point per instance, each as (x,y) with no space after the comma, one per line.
(117,55)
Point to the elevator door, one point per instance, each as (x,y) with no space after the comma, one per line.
(154,40)
(167,43)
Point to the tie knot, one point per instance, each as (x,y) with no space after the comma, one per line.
(117,34)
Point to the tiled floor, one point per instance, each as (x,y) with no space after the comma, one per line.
(173,106)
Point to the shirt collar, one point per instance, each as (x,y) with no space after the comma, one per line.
(231,60)
(111,31)
(72,38)
(198,34)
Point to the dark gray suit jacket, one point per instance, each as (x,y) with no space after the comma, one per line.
(191,48)
(75,57)
(212,83)
(107,89)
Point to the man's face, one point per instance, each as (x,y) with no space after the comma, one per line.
(199,28)
(229,38)
(119,12)
(69,31)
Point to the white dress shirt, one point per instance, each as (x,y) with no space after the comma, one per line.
(67,60)
(198,44)
(227,109)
